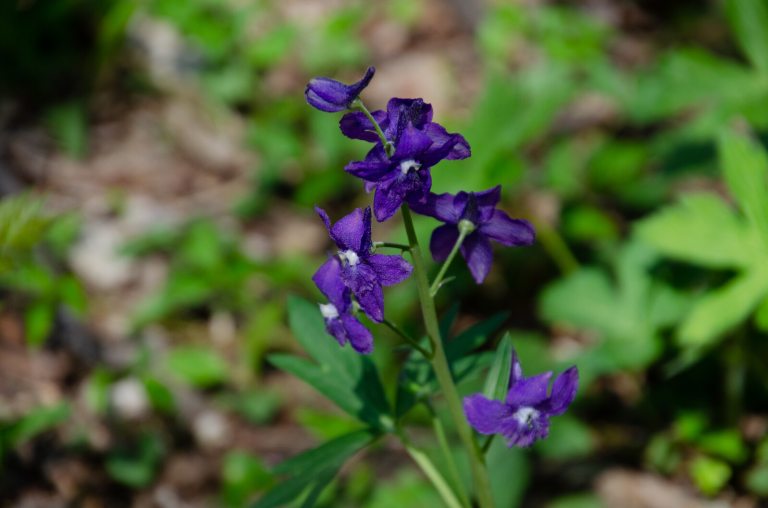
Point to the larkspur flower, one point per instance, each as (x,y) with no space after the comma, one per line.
(360,270)
(477,213)
(523,417)
(329,95)
(340,322)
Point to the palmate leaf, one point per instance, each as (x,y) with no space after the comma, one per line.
(313,469)
(347,378)
(703,230)
(623,314)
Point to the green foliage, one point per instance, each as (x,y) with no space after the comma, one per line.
(717,237)
(136,465)
(347,378)
(626,315)
(710,475)
(198,366)
(313,470)
(497,382)
(242,475)
(16,432)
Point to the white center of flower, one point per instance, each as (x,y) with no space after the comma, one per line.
(408,165)
(525,415)
(329,311)
(349,257)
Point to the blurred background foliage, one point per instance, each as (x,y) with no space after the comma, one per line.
(158,168)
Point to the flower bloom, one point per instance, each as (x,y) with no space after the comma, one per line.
(523,417)
(329,95)
(418,145)
(355,266)
(340,322)
(475,212)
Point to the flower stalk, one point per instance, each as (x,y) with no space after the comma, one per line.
(388,146)
(464,230)
(442,369)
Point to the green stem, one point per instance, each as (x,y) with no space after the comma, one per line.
(487,443)
(435,287)
(413,342)
(391,245)
(388,146)
(443,371)
(557,248)
(442,440)
(429,469)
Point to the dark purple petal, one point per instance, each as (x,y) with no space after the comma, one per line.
(328,281)
(508,231)
(329,95)
(459,148)
(525,427)
(362,280)
(324,216)
(374,167)
(411,143)
(390,270)
(337,330)
(485,416)
(388,198)
(353,231)
(442,241)
(439,206)
(487,200)
(357,334)
(529,392)
(401,112)
(356,125)
(563,392)
(477,251)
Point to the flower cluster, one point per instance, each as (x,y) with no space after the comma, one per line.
(523,417)
(407,144)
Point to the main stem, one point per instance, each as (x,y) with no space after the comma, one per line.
(443,371)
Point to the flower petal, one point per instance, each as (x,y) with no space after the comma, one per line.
(388,198)
(478,253)
(439,206)
(337,330)
(401,112)
(485,416)
(353,231)
(517,370)
(357,334)
(362,280)
(328,280)
(524,434)
(442,241)
(390,269)
(508,231)
(329,95)
(563,392)
(529,392)
(411,144)
(459,147)
(356,125)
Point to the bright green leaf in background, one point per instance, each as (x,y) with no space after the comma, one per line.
(197,365)
(703,230)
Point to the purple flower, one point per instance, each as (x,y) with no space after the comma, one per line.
(475,212)
(358,269)
(340,322)
(329,95)
(524,416)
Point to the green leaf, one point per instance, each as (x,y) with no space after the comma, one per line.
(136,466)
(745,166)
(701,229)
(726,444)
(710,475)
(198,366)
(313,467)
(757,480)
(497,382)
(341,374)
(474,337)
(508,472)
(722,309)
(38,322)
(568,439)
(242,475)
(749,20)
(37,421)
